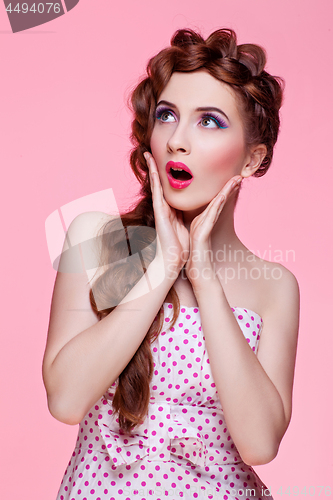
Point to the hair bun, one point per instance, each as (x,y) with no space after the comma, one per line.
(253,57)
(183,37)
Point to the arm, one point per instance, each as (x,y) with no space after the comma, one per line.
(84,356)
(255,391)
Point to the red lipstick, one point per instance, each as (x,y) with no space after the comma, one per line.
(178,174)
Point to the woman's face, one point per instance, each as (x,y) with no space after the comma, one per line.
(209,142)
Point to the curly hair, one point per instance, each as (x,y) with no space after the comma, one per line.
(259,96)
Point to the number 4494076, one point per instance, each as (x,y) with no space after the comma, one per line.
(310,490)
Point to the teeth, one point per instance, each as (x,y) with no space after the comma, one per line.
(180,174)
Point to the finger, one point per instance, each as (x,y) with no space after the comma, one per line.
(153,180)
(203,224)
(150,171)
(213,210)
(150,162)
(233,183)
(208,218)
(229,188)
(159,203)
(222,195)
(232,189)
(152,168)
(216,208)
(159,188)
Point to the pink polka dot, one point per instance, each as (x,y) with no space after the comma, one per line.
(182,431)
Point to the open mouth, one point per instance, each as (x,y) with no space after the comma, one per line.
(180,174)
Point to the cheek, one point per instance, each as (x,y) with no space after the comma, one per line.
(229,158)
(152,142)
(156,140)
(155,144)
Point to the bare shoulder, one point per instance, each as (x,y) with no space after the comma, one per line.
(71,310)
(87,225)
(82,246)
(275,282)
(283,286)
(271,271)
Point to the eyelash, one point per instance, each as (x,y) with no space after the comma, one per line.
(219,122)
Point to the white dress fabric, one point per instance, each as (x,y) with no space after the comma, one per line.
(183,448)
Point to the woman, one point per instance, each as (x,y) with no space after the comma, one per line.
(177,397)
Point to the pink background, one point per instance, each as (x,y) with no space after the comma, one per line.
(64,135)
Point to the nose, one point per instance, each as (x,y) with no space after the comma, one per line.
(179,140)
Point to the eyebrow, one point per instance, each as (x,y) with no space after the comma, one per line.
(202,108)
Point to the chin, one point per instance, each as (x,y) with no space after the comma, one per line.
(186,205)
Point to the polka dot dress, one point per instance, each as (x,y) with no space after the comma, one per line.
(183,448)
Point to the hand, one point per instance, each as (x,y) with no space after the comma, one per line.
(172,235)
(199,266)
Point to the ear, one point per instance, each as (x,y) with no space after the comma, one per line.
(254,160)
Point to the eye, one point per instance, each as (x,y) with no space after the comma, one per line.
(215,120)
(162,115)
